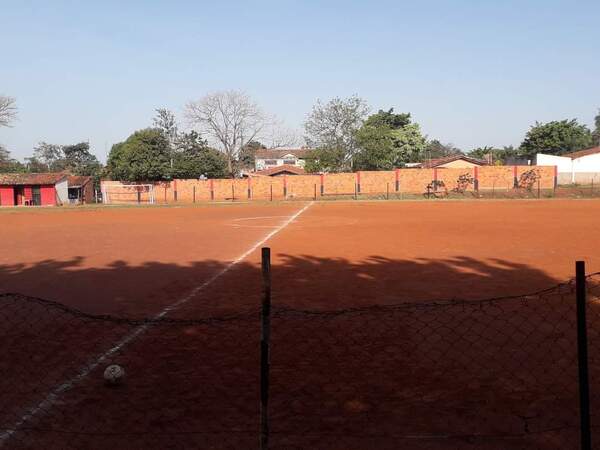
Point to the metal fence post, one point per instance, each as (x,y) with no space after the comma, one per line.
(265,335)
(582,357)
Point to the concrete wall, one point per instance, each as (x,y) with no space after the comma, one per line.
(579,170)
(62,192)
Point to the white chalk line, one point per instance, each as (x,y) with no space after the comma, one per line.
(49,400)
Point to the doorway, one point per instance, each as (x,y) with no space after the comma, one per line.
(19,195)
(36,196)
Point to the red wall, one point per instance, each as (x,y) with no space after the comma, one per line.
(7,196)
(48,195)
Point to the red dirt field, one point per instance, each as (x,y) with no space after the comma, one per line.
(495,375)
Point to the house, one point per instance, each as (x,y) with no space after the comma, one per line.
(277,171)
(33,189)
(458,161)
(582,166)
(268,158)
(81,189)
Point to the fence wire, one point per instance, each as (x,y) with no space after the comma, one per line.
(494,374)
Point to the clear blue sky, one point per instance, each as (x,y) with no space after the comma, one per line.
(471,72)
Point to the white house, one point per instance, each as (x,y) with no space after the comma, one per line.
(581,167)
(267,159)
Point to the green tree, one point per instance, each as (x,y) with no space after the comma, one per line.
(193,158)
(8,164)
(436,149)
(388,119)
(556,138)
(388,140)
(78,160)
(326,159)
(246,157)
(144,156)
(596,133)
(497,156)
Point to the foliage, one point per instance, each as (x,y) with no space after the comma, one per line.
(596,132)
(388,140)
(498,156)
(326,159)
(47,157)
(246,158)
(377,148)
(332,126)
(8,164)
(166,122)
(436,149)
(144,156)
(75,159)
(388,119)
(193,158)
(556,138)
(78,160)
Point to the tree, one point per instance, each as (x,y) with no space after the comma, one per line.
(8,110)
(48,157)
(556,138)
(78,160)
(388,119)
(8,164)
(247,156)
(436,149)
(144,156)
(333,126)
(231,119)
(388,140)
(166,122)
(596,133)
(325,159)
(193,158)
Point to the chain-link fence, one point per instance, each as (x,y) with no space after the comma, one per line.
(495,374)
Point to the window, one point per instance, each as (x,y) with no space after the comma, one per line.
(270,162)
(290,161)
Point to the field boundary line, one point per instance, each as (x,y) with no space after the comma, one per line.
(54,394)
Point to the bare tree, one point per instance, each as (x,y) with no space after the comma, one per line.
(277,135)
(334,125)
(229,119)
(166,122)
(8,110)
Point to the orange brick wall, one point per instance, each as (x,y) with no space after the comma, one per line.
(412,181)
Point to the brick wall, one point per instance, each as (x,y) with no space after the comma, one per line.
(412,181)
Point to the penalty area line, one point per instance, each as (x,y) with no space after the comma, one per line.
(46,404)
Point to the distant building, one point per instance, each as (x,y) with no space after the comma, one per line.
(582,166)
(33,189)
(453,161)
(286,169)
(81,189)
(267,159)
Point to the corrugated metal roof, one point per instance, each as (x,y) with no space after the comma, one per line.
(16,179)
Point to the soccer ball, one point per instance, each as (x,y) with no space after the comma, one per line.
(114,374)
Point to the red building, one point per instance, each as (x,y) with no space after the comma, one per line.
(33,189)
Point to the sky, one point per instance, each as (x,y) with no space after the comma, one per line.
(472,73)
